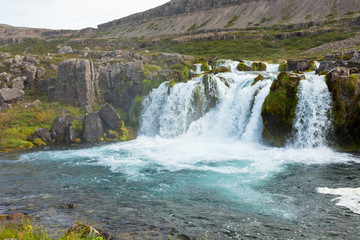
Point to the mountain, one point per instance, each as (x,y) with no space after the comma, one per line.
(182,16)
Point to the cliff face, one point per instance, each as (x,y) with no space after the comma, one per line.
(182,16)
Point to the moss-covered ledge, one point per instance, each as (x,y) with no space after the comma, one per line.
(278,110)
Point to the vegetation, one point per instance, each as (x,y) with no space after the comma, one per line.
(231,22)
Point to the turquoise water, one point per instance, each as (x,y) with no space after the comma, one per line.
(207,178)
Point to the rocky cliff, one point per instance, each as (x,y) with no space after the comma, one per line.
(181,16)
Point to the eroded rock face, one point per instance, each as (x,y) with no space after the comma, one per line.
(278,110)
(300,65)
(93,130)
(75,83)
(121,83)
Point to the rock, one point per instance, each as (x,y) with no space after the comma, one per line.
(71,135)
(283,67)
(7,106)
(31,59)
(17,83)
(257,79)
(29,71)
(93,130)
(72,205)
(40,72)
(259,66)
(66,50)
(332,77)
(300,65)
(11,95)
(75,83)
(54,67)
(26,105)
(46,86)
(5,55)
(32,137)
(59,126)
(17,60)
(278,110)
(109,116)
(15,216)
(44,134)
(243,67)
(36,103)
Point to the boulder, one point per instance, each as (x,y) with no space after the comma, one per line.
(59,126)
(75,83)
(11,95)
(36,103)
(109,116)
(44,134)
(301,65)
(278,110)
(66,50)
(243,67)
(29,72)
(259,66)
(93,130)
(54,67)
(17,83)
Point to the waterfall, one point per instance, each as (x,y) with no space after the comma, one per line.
(312,121)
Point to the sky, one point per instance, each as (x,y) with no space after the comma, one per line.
(69,14)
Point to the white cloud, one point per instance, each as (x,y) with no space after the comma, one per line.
(69,14)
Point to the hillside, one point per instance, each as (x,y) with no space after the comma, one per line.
(183,16)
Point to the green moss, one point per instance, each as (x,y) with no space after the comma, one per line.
(308,17)
(152,68)
(181,72)
(259,66)
(243,67)
(77,126)
(283,67)
(146,73)
(38,142)
(221,69)
(258,78)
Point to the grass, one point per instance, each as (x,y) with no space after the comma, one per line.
(231,22)
(252,49)
(19,123)
(33,46)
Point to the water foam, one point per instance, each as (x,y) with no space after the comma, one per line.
(348,197)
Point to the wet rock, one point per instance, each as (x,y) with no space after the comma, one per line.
(278,110)
(259,66)
(59,126)
(44,134)
(72,205)
(66,50)
(11,95)
(17,83)
(93,130)
(243,67)
(109,116)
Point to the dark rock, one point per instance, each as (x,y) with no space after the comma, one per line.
(109,116)
(243,67)
(72,205)
(59,126)
(71,135)
(259,66)
(332,77)
(46,86)
(93,130)
(44,134)
(300,65)
(32,137)
(278,110)
(325,67)
(11,95)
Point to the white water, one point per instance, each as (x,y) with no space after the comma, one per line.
(348,197)
(313,112)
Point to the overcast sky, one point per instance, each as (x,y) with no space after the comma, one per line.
(69,14)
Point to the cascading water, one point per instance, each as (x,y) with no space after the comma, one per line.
(313,112)
(199,167)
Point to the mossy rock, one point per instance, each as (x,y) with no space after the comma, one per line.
(259,66)
(38,142)
(257,79)
(205,67)
(221,69)
(243,67)
(283,67)
(278,110)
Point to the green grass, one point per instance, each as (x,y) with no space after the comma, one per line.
(231,22)
(252,49)
(33,46)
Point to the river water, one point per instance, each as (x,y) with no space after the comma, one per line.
(207,176)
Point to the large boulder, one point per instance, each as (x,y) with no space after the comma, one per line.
(44,134)
(301,65)
(71,135)
(59,126)
(93,130)
(11,95)
(17,83)
(109,116)
(75,83)
(66,50)
(278,110)
(29,72)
